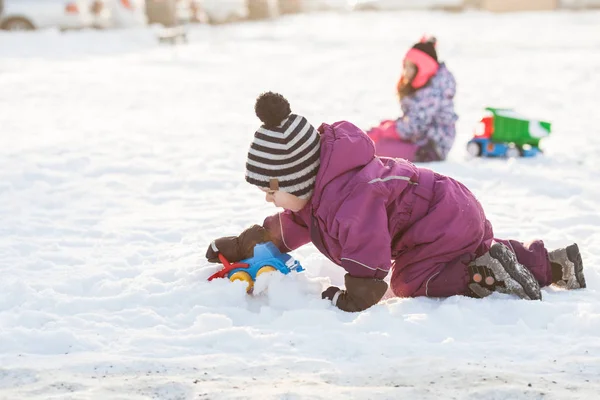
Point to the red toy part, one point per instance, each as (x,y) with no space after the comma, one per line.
(485,128)
(227,268)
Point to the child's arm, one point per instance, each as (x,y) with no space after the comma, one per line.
(287,230)
(418,117)
(236,248)
(366,250)
(360,293)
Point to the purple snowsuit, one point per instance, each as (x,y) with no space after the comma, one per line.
(371,214)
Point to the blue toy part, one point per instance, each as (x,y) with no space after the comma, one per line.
(267,258)
(483,147)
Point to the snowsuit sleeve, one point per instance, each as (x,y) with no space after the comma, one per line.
(287,230)
(364,235)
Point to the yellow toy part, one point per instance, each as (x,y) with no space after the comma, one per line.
(245,277)
(266,268)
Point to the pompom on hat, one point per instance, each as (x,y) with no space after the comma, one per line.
(285,152)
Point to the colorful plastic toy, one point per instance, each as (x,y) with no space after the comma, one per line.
(267,258)
(505,133)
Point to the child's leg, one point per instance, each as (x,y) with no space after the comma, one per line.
(428,152)
(385,130)
(395,148)
(534,257)
(497,270)
(442,252)
(432,255)
(388,142)
(451,279)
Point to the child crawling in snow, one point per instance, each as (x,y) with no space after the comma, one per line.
(426,130)
(375,215)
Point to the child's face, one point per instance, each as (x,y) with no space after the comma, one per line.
(410,71)
(284,200)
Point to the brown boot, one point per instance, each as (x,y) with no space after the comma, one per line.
(567,267)
(499,271)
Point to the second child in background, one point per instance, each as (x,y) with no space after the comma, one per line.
(426,130)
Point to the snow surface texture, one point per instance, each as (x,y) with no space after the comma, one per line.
(120,160)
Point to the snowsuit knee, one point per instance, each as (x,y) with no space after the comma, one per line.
(448,230)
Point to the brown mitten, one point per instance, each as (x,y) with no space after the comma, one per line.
(236,248)
(360,293)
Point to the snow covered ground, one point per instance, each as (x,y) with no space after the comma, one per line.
(120,160)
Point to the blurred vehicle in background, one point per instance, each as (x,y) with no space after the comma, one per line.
(405,4)
(174,12)
(24,15)
(122,14)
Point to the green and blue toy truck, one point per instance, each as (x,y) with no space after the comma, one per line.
(502,132)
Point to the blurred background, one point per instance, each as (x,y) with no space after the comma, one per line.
(19,15)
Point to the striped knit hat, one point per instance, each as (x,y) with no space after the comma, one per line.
(284,154)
